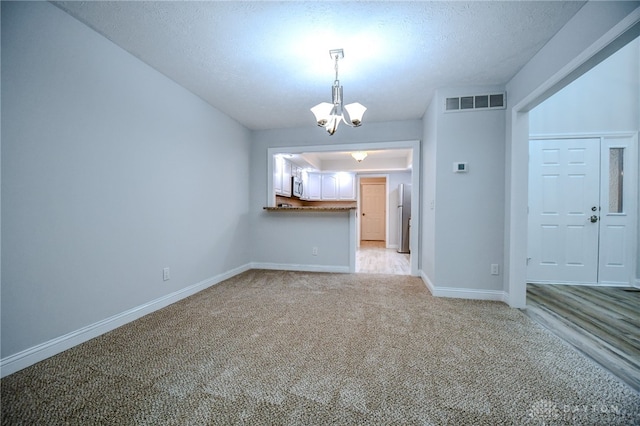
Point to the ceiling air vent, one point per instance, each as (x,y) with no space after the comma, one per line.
(468,103)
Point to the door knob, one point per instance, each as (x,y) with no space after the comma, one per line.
(593,218)
(362,214)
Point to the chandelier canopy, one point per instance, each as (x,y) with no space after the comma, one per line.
(329,115)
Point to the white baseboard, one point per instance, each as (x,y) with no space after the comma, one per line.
(302,268)
(578,284)
(637,283)
(30,356)
(464,293)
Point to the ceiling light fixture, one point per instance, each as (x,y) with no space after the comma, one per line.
(359,155)
(329,115)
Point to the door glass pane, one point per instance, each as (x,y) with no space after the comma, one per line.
(616,173)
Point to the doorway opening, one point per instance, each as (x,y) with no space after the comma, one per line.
(399,161)
(583,214)
(380,247)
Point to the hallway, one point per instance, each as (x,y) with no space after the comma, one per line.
(373,258)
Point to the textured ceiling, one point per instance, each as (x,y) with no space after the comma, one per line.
(266,63)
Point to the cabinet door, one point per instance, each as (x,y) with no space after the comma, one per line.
(311,187)
(286,179)
(278,167)
(330,186)
(346,186)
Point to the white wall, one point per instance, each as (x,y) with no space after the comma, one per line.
(287,238)
(584,41)
(469,207)
(110,172)
(606,99)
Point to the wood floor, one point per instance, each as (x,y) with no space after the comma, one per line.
(601,322)
(373,258)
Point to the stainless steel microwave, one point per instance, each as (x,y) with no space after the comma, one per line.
(296,186)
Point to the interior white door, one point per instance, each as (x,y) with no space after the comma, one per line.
(564,198)
(372,224)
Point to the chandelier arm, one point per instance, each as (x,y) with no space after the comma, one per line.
(344,120)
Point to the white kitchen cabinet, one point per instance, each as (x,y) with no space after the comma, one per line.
(282,177)
(312,187)
(278,166)
(346,186)
(322,186)
(286,179)
(329,186)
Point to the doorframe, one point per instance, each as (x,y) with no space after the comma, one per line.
(413,145)
(634,178)
(517,150)
(359,207)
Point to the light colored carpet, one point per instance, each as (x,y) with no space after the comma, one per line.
(272,347)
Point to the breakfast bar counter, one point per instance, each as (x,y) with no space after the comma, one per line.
(310,208)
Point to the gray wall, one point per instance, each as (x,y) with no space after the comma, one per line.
(464,230)
(285,238)
(110,172)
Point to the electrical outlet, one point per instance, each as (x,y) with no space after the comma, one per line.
(314,251)
(495,269)
(166,274)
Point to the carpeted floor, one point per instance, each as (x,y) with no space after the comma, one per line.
(271,347)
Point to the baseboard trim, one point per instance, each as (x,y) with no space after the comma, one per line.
(427,282)
(301,268)
(464,293)
(30,356)
(579,284)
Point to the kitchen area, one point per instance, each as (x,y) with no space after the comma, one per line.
(377,193)
(298,186)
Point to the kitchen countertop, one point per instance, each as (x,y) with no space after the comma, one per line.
(310,208)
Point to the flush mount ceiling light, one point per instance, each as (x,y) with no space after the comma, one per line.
(329,115)
(359,155)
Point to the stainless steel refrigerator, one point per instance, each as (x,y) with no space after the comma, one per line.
(404,217)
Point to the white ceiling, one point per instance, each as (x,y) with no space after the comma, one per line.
(266,63)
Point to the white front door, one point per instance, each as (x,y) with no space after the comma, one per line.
(582,211)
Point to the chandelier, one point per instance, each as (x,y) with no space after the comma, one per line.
(329,115)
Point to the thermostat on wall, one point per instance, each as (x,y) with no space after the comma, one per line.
(460,167)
